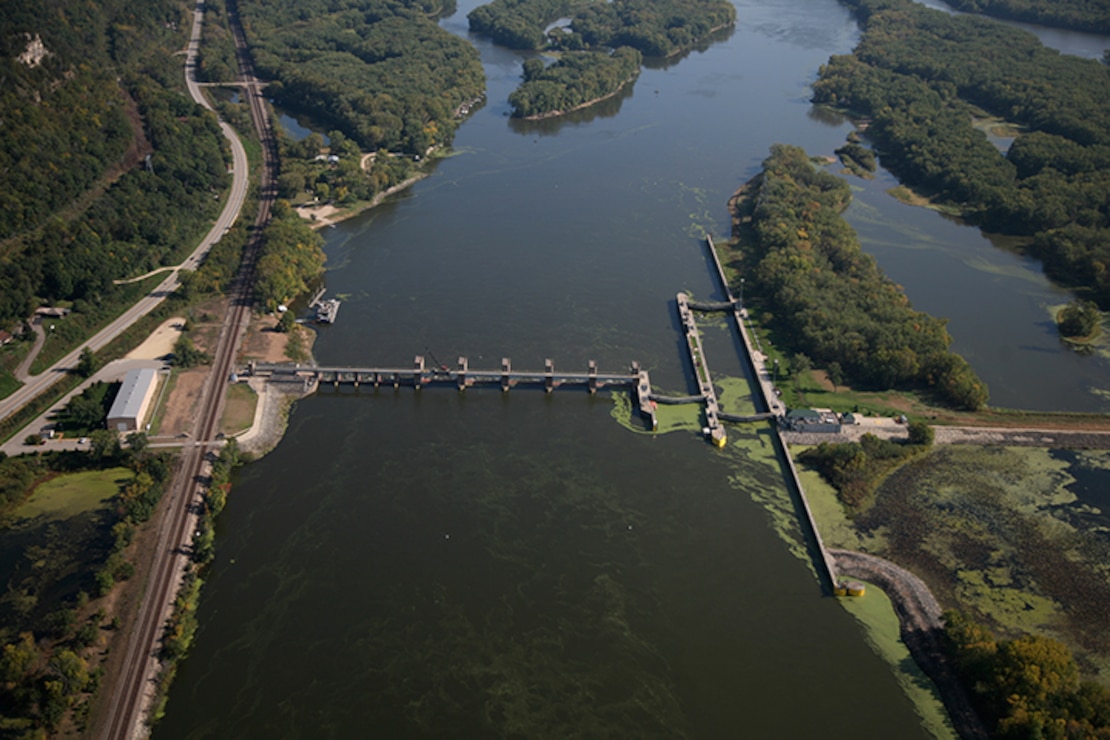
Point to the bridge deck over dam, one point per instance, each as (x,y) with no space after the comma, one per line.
(420,374)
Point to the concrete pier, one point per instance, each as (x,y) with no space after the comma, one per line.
(713,427)
(826,564)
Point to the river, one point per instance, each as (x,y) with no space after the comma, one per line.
(438,564)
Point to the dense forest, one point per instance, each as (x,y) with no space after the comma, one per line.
(814,283)
(292,255)
(1081,15)
(520,24)
(63,118)
(920,76)
(1028,687)
(656,28)
(611,30)
(572,81)
(85,216)
(381,71)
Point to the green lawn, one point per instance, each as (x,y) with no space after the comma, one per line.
(8,384)
(73,493)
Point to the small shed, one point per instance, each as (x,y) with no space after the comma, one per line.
(5,337)
(133,400)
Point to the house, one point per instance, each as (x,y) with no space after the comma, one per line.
(5,337)
(813,420)
(52,312)
(133,400)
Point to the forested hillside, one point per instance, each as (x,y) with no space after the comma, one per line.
(921,75)
(828,297)
(77,212)
(62,115)
(381,71)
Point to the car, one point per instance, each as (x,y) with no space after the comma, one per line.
(83,441)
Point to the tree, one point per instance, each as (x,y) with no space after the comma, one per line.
(800,364)
(920,434)
(104,443)
(835,374)
(287,322)
(88,363)
(17,658)
(1078,319)
(138,443)
(86,412)
(186,354)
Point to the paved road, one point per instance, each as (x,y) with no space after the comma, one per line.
(238,193)
(23,372)
(1072,439)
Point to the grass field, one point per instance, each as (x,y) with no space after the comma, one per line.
(8,384)
(71,494)
(238,408)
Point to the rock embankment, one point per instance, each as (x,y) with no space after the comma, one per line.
(271,415)
(920,617)
(1077,439)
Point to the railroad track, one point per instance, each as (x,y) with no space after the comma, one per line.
(174,534)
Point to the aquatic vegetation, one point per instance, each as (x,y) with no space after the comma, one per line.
(1000,533)
(881,629)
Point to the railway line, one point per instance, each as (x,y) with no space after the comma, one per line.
(134,689)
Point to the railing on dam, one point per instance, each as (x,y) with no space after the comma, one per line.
(420,374)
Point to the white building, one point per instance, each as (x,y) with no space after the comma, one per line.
(133,400)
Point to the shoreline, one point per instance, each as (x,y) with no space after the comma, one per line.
(338,215)
(582,106)
(271,415)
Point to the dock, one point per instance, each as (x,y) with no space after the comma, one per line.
(326,311)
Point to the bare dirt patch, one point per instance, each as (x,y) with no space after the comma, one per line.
(265,344)
(181,404)
(160,342)
(318,214)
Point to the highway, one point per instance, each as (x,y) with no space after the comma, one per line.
(240,182)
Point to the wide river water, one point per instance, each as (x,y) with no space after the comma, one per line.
(437,564)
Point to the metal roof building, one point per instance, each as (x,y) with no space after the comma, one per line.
(133,400)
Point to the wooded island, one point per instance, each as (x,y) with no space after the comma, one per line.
(596,48)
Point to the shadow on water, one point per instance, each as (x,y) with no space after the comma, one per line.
(662,63)
(826,116)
